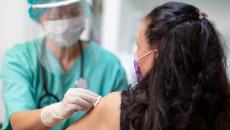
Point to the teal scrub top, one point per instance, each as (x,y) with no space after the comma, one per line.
(23,83)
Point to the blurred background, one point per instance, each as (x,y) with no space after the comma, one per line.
(118,22)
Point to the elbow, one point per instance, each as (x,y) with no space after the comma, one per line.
(14,122)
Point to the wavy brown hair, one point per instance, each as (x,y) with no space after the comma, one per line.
(187,88)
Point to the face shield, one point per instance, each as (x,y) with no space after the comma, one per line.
(64,24)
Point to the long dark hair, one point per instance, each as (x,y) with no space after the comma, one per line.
(187,88)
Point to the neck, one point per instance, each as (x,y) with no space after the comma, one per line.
(65,55)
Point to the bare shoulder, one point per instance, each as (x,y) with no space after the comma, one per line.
(110,101)
(105,116)
(109,105)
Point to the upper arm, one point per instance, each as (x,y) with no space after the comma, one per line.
(17,92)
(106,116)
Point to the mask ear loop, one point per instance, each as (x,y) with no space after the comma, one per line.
(154,50)
(144,55)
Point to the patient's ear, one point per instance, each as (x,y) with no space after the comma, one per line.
(155,56)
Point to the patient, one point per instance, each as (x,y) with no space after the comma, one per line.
(183,84)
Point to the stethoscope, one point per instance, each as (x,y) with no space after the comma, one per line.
(48,98)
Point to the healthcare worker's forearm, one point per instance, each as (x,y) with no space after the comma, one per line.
(27,120)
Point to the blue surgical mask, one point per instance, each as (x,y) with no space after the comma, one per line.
(137,67)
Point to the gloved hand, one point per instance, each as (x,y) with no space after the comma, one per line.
(75,99)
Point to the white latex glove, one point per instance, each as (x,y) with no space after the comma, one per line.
(75,99)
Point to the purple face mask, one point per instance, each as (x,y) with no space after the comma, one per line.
(137,67)
(137,71)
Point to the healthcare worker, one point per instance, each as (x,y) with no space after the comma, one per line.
(49,81)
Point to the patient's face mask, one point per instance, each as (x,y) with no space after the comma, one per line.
(65,32)
(137,66)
